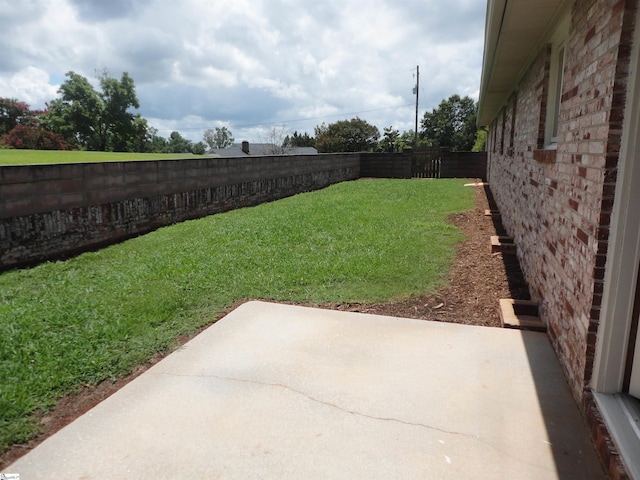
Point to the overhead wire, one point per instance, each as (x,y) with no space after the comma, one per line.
(284,122)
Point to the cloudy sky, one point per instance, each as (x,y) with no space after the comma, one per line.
(250,65)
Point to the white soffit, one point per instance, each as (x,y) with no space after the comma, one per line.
(514,31)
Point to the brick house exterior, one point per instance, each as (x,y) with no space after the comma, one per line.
(560,98)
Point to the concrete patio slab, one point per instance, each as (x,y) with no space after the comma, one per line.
(280,391)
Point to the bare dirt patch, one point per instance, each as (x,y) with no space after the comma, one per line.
(476,283)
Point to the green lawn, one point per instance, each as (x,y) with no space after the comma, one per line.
(95,317)
(10,156)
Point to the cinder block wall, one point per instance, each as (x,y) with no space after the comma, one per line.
(558,205)
(386,165)
(464,165)
(51,211)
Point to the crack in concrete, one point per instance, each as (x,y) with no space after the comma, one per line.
(360,414)
(338,407)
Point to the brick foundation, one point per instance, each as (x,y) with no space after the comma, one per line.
(607,451)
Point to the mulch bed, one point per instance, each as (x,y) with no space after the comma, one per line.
(477,281)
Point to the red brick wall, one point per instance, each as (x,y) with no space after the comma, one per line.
(558,205)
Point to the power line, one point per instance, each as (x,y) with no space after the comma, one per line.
(327,116)
(283,122)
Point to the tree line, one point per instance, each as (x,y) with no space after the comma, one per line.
(104,120)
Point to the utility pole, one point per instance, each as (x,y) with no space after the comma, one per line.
(416,90)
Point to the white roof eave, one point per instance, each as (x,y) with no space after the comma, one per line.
(514,32)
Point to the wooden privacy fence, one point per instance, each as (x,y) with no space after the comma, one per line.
(426,163)
(436,163)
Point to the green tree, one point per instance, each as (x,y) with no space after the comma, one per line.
(96,120)
(141,139)
(12,113)
(407,139)
(452,125)
(199,148)
(119,125)
(158,144)
(299,140)
(481,141)
(390,141)
(218,138)
(353,135)
(77,113)
(178,144)
(59,119)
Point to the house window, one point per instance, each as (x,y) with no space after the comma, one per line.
(556,74)
(504,126)
(514,108)
(557,95)
(494,129)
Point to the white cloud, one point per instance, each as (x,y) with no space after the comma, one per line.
(30,85)
(249,64)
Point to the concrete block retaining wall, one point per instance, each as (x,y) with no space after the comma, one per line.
(463,165)
(386,165)
(54,211)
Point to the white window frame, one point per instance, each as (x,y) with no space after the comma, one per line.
(621,274)
(556,77)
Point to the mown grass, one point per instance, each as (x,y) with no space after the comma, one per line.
(96,316)
(9,156)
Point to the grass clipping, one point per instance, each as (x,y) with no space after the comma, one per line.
(97,316)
